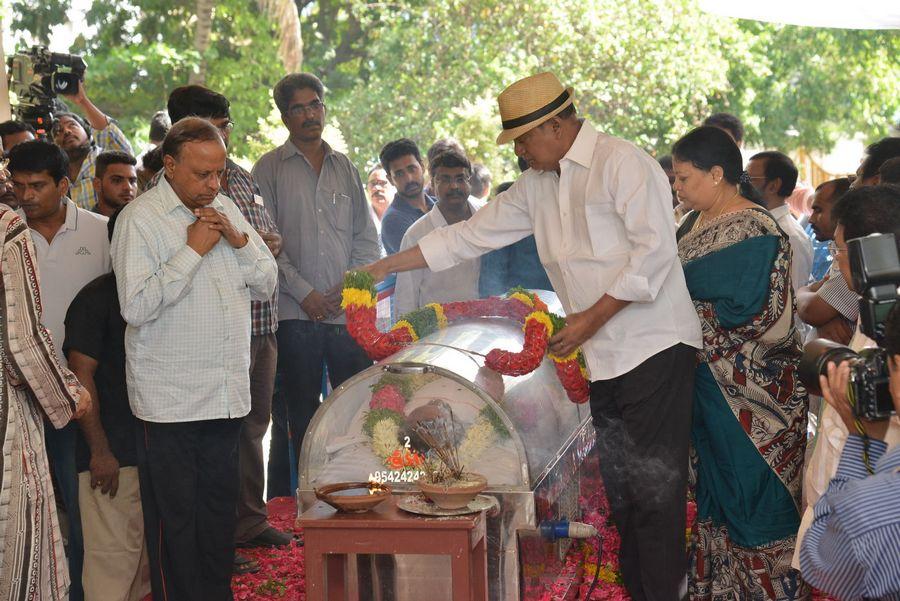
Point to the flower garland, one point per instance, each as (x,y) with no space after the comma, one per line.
(518,304)
(387,414)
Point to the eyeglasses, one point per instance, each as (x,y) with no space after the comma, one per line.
(313,107)
(834,249)
(226,127)
(446,180)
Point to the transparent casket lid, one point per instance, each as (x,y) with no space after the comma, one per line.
(510,429)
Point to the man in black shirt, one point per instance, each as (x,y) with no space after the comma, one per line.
(115,556)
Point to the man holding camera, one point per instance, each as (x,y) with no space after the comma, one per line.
(83,139)
(852,548)
(861,212)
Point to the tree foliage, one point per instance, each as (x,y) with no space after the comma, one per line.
(646,70)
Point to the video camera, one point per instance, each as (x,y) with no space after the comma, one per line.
(37,76)
(875,267)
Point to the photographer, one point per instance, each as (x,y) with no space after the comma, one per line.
(861,212)
(83,140)
(852,549)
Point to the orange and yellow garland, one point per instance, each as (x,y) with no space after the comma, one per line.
(517,304)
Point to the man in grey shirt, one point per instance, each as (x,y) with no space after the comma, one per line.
(316,197)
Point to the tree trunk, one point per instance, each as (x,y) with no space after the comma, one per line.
(287,20)
(201,38)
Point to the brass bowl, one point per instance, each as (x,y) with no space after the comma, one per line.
(341,495)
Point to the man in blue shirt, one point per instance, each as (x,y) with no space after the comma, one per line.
(852,549)
(402,162)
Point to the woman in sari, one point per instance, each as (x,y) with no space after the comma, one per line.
(33,388)
(749,424)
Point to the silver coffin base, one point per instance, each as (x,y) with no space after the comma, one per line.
(519,560)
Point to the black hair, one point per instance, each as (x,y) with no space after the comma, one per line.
(779,165)
(877,154)
(77,119)
(36,156)
(159,126)
(153,159)
(481,179)
(289,84)
(665,161)
(450,159)
(8,128)
(197,101)
(567,112)
(112,157)
(889,172)
(892,331)
(189,129)
(708,146)
(841,185)
(869,210)
(522,164)
(443,145)
(729,123)
(503,187)
(396,149)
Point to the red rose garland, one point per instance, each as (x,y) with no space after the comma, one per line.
(518,305)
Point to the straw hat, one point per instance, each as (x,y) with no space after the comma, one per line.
(529,102)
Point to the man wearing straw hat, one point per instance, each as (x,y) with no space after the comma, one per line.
(600,210)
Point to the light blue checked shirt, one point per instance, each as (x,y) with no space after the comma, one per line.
(188,336)
(852,550)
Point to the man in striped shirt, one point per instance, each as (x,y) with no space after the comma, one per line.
(852,549)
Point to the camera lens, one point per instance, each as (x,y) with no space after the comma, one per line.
(816,357)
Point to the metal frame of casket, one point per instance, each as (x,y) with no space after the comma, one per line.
(534,473)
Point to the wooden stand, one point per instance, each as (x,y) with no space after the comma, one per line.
(329,537)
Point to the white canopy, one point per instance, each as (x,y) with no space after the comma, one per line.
(843,14)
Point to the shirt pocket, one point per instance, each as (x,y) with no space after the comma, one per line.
(339,209)
(604,227)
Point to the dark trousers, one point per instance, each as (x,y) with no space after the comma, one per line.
(61,455)
(251,507)
(643,422)
(304,349)
(189,488)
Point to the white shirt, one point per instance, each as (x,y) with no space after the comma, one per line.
(602,226)
(801,246)
(419,287)
(78,253)
(188,336)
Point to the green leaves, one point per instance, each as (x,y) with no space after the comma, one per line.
(645,70)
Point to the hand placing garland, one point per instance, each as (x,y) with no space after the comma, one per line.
(518,305)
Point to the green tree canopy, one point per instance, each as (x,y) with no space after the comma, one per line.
(646,70)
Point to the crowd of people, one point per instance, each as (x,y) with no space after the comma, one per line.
(161,312)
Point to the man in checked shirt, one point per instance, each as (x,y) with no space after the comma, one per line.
(237,184)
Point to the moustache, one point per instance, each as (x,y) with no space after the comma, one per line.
(311,123)
(412,187)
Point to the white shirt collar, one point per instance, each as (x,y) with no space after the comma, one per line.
(437,218)
(582,149)
(779,212)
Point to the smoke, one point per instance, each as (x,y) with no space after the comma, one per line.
(653,475)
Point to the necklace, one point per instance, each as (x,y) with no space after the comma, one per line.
(712,208)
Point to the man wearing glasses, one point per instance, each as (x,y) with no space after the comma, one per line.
(83,140)
(451,173)
(237,184)
(316,197)
(774,176)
